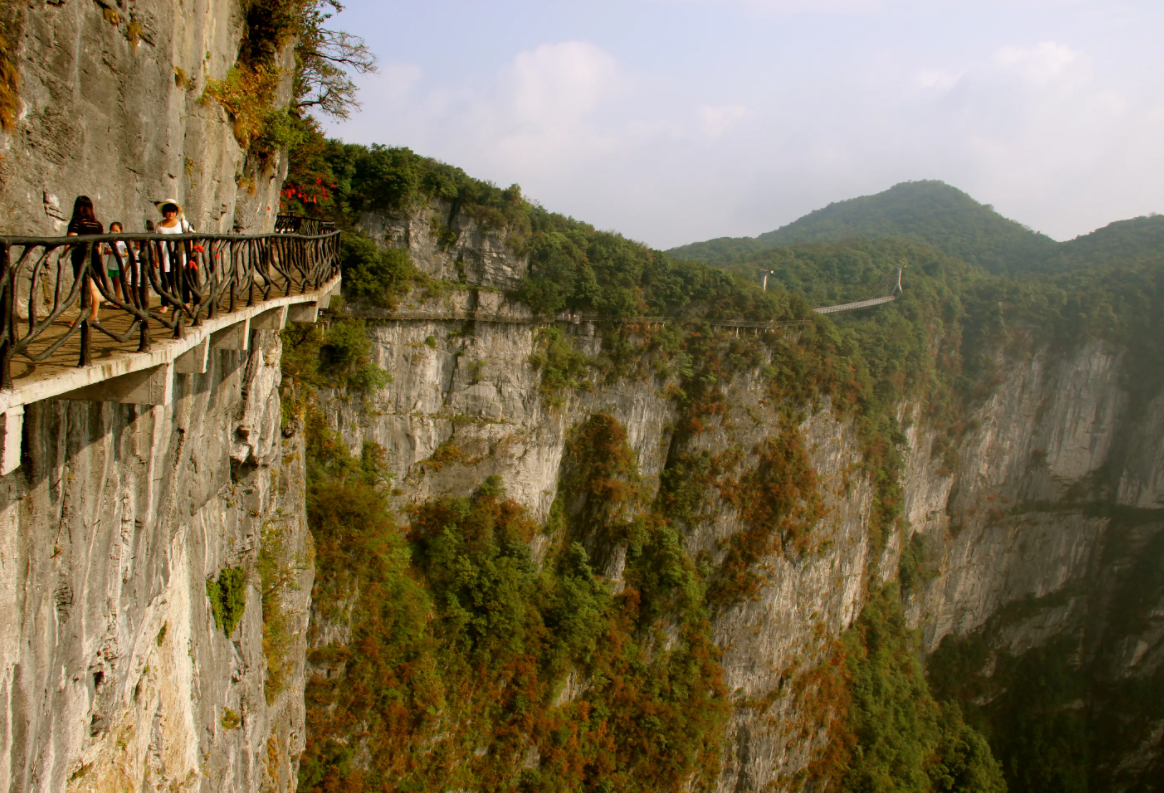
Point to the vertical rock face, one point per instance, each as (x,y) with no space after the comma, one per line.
(1025,537)
(1049,532)
(113,672)
(468,388)
(446,243)
(1027,508)
(112,107)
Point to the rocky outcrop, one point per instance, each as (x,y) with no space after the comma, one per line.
(112,107)
(1029,502)
(1049,531)
(448,244)
(113,673)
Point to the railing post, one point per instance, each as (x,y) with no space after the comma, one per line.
(287,259)
(86,306)
(212,275)
(7,315)
(254,269)
(86,340)
(143,296)
(234,273)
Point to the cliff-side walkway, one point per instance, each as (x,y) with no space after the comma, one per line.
(173,300)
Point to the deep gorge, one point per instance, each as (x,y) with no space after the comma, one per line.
(469,547)
(1005,547)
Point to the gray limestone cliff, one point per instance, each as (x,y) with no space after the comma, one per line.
(1026,524)
(478,391)
(448,244)
(113,673)
(111,106)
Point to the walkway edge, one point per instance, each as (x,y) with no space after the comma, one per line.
(165,353)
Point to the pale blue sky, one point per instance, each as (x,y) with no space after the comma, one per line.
(679,120)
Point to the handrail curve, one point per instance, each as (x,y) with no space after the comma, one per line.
(169,280)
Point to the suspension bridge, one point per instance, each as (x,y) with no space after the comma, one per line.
(894,293)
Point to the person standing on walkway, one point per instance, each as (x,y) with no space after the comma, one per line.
(117,262)
(84,221)
(173,272)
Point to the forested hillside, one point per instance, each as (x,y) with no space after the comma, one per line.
(1139,240)
(930,211)
(949,220)
(463,645)
(573,266)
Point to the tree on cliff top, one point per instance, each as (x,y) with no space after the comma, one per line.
(324,62)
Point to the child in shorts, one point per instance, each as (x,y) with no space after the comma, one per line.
(112,265)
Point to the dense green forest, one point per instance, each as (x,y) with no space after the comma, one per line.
(1057,725)
(463,647)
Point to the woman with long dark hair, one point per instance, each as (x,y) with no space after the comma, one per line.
(84,221)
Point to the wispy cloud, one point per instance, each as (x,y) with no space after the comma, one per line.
(716,120)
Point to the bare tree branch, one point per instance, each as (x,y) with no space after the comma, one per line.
(327,60)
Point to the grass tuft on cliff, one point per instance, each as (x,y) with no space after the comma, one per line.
(228,598)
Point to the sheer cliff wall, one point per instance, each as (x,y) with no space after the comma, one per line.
(113,672)
(1026,523)
(111,106)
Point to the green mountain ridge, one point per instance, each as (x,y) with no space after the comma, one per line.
(1122,242)
(951,221)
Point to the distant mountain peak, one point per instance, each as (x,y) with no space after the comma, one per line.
(927,210)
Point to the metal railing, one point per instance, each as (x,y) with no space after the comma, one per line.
(298,224)
(168,281)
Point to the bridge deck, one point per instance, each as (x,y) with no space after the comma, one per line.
(65,357)
(119,323)
(877,301)
(61,354)
(119,370)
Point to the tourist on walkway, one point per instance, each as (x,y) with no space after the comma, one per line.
(84,221)
(174,277)
(117,262)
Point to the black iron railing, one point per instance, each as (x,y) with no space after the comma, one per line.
(164,283)
(298,224)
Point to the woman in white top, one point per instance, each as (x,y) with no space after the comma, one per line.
(172,277)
